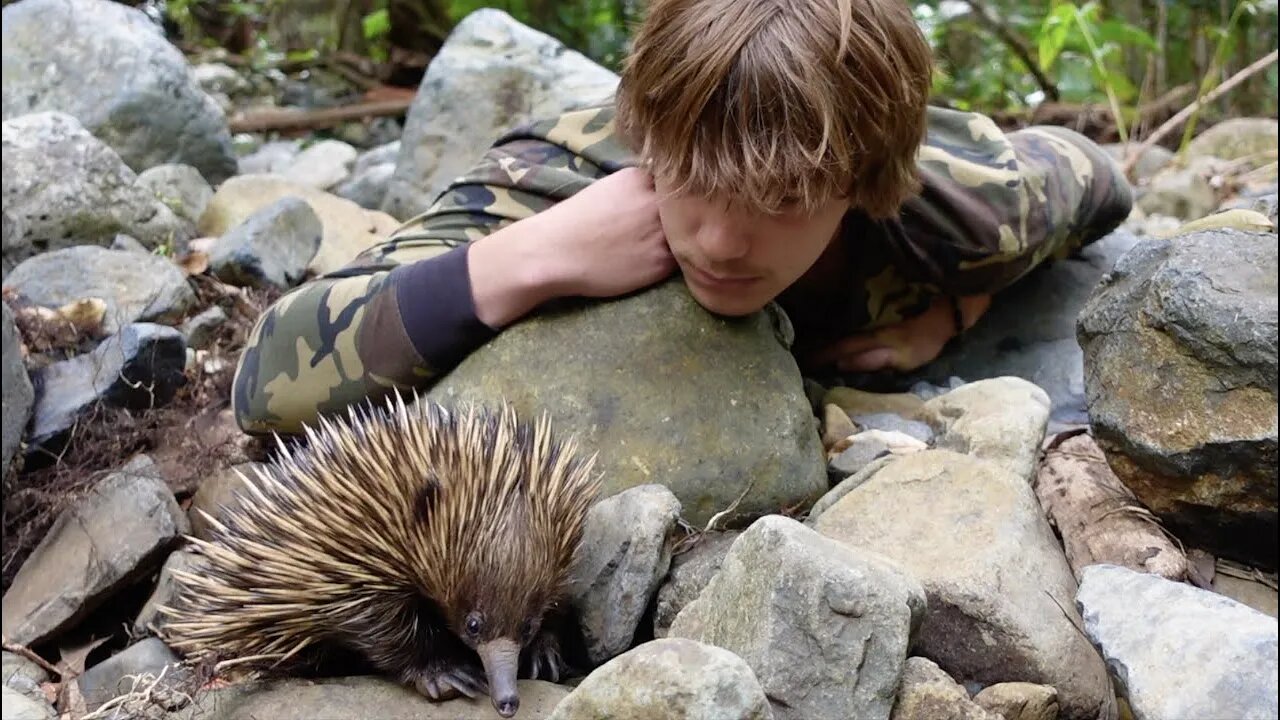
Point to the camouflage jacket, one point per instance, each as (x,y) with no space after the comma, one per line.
(400,315)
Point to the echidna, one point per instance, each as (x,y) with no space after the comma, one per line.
(418,536)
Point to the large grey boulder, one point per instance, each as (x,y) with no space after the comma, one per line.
(19,396)
(1178,651)
(110,66)
(824,626)
(664,392)
(999,589)
(492,75)
(1180,361)
(134,286)
(64,187)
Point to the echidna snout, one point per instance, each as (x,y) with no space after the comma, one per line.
(501,660)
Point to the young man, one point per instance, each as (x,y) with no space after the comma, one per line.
(767,151)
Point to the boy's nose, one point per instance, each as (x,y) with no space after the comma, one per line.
(722,241)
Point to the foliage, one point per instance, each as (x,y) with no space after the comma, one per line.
(1115,53)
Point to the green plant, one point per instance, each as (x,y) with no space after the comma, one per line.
(1082,30)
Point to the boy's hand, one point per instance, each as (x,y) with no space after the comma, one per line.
(605,240)
(904,346)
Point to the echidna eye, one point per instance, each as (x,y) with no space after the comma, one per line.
(473,624)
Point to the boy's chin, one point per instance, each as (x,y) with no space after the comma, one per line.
(727,304)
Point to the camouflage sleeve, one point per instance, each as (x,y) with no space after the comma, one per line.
(400,314)
(994,206)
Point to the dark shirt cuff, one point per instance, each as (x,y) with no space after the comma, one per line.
(438,310)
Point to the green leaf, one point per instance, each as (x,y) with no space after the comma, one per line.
(1124,35)
(1054,33)
(376,24)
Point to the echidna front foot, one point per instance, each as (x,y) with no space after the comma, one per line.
(542,659)
(448,682)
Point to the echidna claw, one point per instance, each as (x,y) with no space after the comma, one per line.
(544,656)
(441,685)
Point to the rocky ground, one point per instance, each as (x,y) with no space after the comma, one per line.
(1071,514)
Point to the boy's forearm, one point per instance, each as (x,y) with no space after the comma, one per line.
(510,273)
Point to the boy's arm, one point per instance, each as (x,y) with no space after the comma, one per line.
(406,311)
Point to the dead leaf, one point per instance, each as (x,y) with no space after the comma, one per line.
(194,263)
(85,315)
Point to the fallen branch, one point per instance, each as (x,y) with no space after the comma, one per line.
(285,119)
(1227,86)
(27,653)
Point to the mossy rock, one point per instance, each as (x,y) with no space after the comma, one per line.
(664,392)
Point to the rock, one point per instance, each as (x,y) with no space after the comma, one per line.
(139,367)
(220,78)
(1248,591)
(866,446)
(354,697)
(1268,205)
(103,542)
(646,373)
(1178,651)
(1237,139)
(928,693)
(108,678)
(149,618)
(1184,194)
(1153,159)
(201,328)
(1235,219)
(135,287)
(625,553)
(1030,332)
(348,228)
(215,493)
(109,66)
(16,244)
(492,75)
(999,589)
(271,157)
(861,403)
(669,679)
(19,397)
(273,247)
(690,572)
(24,676)
(786,597)
(1001,419)
(384,154)
(321,165)
(128,243)
(367,187)
(845,486)
(64,187)
(1196,441)
(23,707)
(1019,701)
(180,187)
(895,423)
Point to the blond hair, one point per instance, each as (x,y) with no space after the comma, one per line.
(779,103)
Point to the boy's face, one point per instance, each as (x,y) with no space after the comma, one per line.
(735,261)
